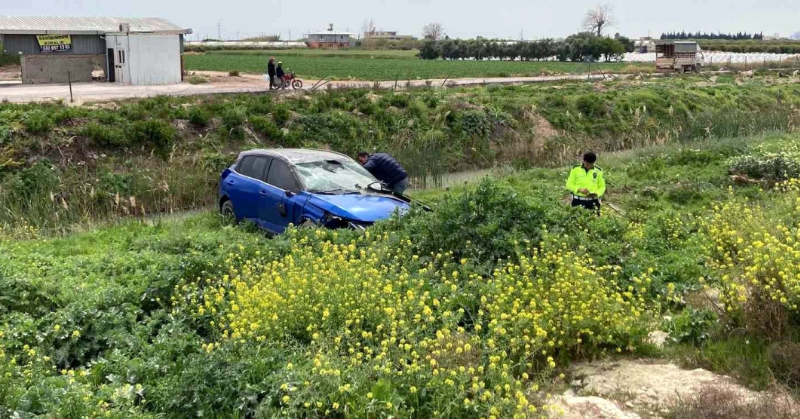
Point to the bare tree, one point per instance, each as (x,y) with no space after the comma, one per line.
(433,31)
(368,27)
(599,18)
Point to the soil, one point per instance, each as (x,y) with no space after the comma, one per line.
(631,389)
(11,73)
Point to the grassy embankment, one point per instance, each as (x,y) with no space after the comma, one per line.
(64,165)
(471,311)
(386,65)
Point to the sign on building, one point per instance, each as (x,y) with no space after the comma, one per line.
(54,43)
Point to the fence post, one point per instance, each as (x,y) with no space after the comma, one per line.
(69,80)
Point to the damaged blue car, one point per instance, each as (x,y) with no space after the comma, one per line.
(278,187)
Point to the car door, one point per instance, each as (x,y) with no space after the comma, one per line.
(245,186)
(279,196)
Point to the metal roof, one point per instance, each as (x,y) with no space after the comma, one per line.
(43,25)
(297,155)
(326,32)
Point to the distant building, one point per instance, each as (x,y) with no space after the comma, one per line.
(330,39)
(644,45)
(388,35)
(131,51)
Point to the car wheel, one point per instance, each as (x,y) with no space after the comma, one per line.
(308,224)
(227,213)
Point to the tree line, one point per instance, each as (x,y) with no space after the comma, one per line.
(584,46)
(740,36)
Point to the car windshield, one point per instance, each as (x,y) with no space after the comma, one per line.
(334,176)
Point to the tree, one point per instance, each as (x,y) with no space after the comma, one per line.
(368,27)
(598,19)
(626,42)
(429,50)
(432,31)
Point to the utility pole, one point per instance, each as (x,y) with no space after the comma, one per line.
(219,30)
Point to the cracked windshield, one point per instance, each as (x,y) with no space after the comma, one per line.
(334,176)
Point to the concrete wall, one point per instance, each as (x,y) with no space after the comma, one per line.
(52,68)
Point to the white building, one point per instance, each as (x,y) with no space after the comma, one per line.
(330,39)
(130,51)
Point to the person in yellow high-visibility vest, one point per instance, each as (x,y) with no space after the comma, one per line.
(586,184)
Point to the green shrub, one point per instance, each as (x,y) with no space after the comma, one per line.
(199,116)
(265,126)
(5,134)
(772,167)
(138,112)
(233,119)
(67,114)
(153,132)
(692,326)
(105,135)
(39,179)
(116,183)
(281,114)
(197,80)
(474,123)
(591,105)
(37,122)
(481,225)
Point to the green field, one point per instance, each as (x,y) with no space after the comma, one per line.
(383,65)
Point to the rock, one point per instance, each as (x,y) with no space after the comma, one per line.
(650,384)
(593,408)
(657,338)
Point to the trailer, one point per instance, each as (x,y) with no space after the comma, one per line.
(680,56)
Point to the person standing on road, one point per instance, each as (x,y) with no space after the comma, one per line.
(280,74)
(271,72)
(386,169)
(586,184)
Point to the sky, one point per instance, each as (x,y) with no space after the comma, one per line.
(460,18)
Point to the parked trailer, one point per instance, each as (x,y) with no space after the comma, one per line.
(680,56)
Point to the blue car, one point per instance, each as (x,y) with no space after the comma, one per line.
(277,187)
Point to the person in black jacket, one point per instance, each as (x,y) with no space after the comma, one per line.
(386,169)
(280,75)
(271,72)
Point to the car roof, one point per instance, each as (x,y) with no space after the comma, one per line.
(296,155)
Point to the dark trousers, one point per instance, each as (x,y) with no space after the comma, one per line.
(592,205)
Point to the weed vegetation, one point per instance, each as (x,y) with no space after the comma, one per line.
(61,166)
(471,311)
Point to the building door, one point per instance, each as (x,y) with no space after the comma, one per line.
(111,69)
(120,67)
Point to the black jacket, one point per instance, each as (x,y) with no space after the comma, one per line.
(271,68)
(385,168)
(280,72)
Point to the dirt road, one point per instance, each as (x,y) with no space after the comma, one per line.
(222,83)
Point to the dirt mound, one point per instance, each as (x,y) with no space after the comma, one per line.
(629,389)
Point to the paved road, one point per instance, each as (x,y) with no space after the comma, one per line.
(86,92)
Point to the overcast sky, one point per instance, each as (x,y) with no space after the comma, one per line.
(460,18)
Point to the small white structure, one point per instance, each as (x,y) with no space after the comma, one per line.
(143,59)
